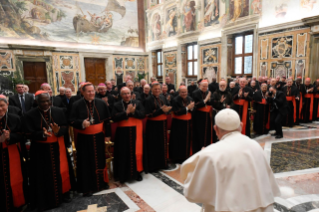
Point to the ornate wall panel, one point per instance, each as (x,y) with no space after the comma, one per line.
(287,54)
(210,61)
(66,67)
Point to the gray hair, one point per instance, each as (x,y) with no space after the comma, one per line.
(37,97)
(61,88)
(68,89)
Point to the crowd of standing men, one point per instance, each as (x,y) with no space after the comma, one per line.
(151,126)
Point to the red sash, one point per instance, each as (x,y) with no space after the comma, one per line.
(244,103)
(185,117)
(264,102)
(317,97)
(293,100)
(92,130)
(205,109)
(64,168)
(16,178)
(310,96)
(134,122)
(162,117)
(300,105)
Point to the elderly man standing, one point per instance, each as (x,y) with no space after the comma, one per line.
(191,88)
(307,105)
(128,149)
(134,95)
(202,122)
(13,178)
(170,87)
(242,102)
(261,109)
(68,95)
(22,100)
(62,93)
(156,108)
(181,132)
(105,96)
(141,88)
(90,117)
(218,175)
(292,94)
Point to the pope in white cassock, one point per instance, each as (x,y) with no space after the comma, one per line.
(231,175)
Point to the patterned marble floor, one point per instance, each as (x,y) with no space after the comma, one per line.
(294,160)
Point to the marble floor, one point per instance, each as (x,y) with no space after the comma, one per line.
(294,160)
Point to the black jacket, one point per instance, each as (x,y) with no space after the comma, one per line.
(279,103)
(28,101)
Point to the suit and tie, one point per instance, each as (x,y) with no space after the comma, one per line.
(23,101)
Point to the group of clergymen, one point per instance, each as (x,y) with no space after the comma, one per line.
(137,117)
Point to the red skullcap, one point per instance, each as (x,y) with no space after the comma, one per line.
(182,86)
(3,96)
(204,81)
(40,92)
(308,78)
(101,85)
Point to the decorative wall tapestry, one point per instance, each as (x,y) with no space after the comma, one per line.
(112,22)
(281,69)
(170,60)
(68,80)
(156,27)
(141,63)
(118,62)
(301,45)
(66,62)
(189,15)
(130,63)
(210,56)
(210,72)
(170,27)
(263,69)
(282,47)
(6,61)
(300,67)
(211,12)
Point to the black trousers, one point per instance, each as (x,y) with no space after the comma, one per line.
(276,121)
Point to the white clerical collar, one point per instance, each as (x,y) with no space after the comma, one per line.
(228,134)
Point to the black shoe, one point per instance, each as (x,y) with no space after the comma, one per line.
(278,136)
(139,178)
(274,134)
(89,194)
(107,186)
(67,198)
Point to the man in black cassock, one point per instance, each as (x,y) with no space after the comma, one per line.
(170,87)
(261,107)
(128,144)
(155,145)
(316,101)
(242,103)
(233,88)
(13,177)
(202,122)
(62,93)
(292,94)
(299,86)
(49,169)
(307,98)
(89,117)
(146,93)
(181,132)
(221,99)
(106,97)
(135,95)
(169,97)
(278,110)
(140,89)
(213,86)
(191,88)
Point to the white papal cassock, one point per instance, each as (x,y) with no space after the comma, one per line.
(231,175)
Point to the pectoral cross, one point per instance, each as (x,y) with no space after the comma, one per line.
(50,130)
(91,120)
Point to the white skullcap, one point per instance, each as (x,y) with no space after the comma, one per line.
(227,119)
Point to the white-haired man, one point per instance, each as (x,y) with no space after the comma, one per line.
(202,117)
(218,175)
(242,103)
(128,150)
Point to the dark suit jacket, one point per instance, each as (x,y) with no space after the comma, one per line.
(28,100)
(14,110)
(170,87)
(279,103)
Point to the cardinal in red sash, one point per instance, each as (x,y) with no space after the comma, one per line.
(49,172)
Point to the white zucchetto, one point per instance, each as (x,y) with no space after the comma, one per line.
(227,119)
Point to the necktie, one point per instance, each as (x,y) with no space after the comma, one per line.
(22,103)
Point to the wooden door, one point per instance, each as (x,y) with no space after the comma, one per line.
(35,73)
(95,70)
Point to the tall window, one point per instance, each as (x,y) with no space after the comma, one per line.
(243,54)
(191,60)
(159,63)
